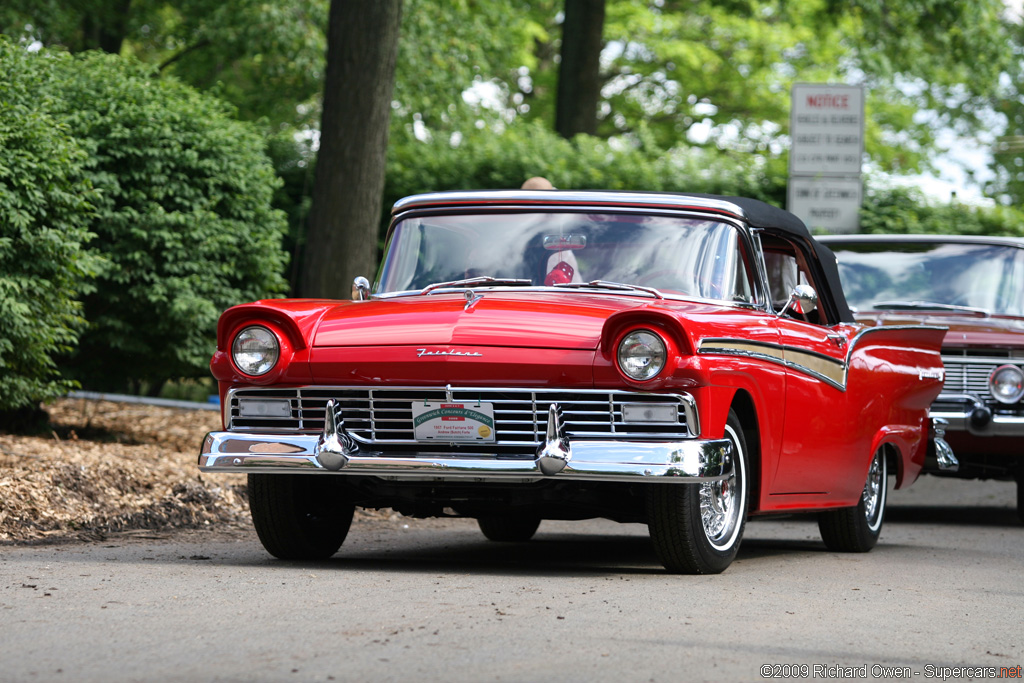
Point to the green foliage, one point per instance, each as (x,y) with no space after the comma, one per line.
(1008,152)
(715,73)
(907,211)
(447,47)
(504,160)
(183,219)
(294,163)
(265,58)
(719,73)
(242,50)
(44,212)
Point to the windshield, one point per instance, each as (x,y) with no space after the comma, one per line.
(677,255)
(985,277)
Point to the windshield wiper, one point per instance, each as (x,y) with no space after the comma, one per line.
(482,280)
(927,305)
(604,284)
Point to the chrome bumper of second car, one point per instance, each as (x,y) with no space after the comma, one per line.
(974,417)
(559,457)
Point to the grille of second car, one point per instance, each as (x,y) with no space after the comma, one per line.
(969,374)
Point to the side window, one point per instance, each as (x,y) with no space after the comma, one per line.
(786,268)
(739,288)
(783,275)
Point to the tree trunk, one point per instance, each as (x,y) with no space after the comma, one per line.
(579,84)
(362,45)
(106,29)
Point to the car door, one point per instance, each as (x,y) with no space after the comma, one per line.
(815,455)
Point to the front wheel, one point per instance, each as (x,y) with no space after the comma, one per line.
(697,528)
(299,517)
(856,529)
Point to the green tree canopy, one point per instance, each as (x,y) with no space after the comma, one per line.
(718,73)
(264,57)
(713,73)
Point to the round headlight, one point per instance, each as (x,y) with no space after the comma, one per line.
(641,355)
(255,350)
(1007,383)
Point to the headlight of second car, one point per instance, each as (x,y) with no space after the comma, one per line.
(1007,383)
(641,355)
(255,350)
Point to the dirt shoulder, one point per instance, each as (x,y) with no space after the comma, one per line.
(110,467)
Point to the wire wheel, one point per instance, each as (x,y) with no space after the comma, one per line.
(722,501)
(697,528)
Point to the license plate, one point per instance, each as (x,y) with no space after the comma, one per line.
(469,422)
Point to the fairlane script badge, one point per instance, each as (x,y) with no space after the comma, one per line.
(453,422)
(423,352)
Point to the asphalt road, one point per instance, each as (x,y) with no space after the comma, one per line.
(409,600)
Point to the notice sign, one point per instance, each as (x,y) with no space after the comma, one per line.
(455,422)
(827,129)
(830,204)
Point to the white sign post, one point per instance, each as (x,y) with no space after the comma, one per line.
(827,131)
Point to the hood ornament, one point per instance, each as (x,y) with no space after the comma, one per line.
(471,298)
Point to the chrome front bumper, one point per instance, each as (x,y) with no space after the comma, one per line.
(975,418)
(337,451)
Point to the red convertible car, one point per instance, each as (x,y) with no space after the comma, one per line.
(975,287)
(677,360)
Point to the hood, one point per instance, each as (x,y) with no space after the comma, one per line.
(964,330)
(510,319)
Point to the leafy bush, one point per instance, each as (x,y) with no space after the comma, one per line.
(175,197)
(908,211)
(183,219)
(485,159)
(44,213)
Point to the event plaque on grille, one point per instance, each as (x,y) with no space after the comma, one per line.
(454,422)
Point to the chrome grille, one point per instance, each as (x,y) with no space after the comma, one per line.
(384,415)
(968,374)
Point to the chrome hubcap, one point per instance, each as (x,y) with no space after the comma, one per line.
(717,502)
(873,489)
(721,501)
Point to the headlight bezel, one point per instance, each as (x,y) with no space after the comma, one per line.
(272,350)
(993,383)
(633,342)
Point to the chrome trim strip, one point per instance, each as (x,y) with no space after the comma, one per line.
(827,370)
(821,367)
(680,462)
(518,199)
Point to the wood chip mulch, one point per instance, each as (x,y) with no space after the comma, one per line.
(109,467)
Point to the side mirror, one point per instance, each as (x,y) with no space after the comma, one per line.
(803,300)
(360,289)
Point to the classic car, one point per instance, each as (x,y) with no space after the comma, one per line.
(677,360)
(975,287)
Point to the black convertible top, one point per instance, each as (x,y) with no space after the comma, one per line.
(762,215)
